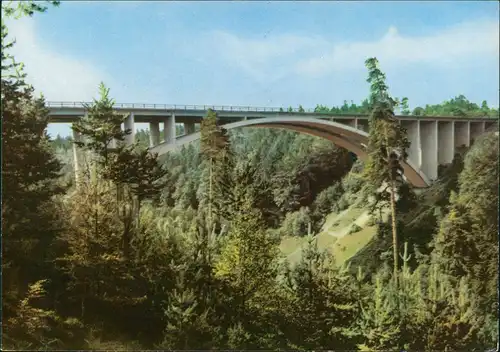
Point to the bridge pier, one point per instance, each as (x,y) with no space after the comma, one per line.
(352,123)
(429,142)
(476,129)
(462,134)
(77,156)
(129,125)
(446,142)
(363,125)
(154,133)
(169,129)
(415,150)
(189,128)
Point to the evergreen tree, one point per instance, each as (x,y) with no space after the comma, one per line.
(467,243)
(324,303)
(214,146)
(387,148)
(405,109)
(29,176)
(186,328)
(100,126)
(379,321)
(247,266)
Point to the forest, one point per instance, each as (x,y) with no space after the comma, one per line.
(133,251)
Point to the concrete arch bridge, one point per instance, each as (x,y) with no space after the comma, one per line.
(434,139)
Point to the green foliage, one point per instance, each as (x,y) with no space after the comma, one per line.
(30,173)
(100,126)
(39,328)
(327,201)
(458,106)
(296,223)
(215,149)
(140,170)
(25,8)
(354,228)
(379,320)
(323,303)
(467,242)
(186,328)
(387,149)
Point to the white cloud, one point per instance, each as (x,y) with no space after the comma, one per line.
(59,77)
(450,47)
(269,58)
(281,55)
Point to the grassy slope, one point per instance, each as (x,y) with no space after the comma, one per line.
(335,237)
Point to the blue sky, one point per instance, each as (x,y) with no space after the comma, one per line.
(260,53)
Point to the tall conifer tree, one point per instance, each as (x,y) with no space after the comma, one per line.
(387,148)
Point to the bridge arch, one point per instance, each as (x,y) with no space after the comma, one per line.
(341,135)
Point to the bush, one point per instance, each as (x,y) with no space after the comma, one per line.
(354,228)
(372,221)
(296,223)
(342,204)
(326,200)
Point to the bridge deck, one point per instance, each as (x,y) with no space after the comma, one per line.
(67,112)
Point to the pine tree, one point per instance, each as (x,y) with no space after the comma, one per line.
(324,303)
(379,321)
(100,126)
(140,170)
(467,242)
(186,328)
(247,265)
(30,172)
(387,148)
(215,148)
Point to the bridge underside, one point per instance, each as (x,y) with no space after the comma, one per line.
(433,140)
(341,135)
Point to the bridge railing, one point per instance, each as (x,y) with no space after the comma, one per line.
(66,104)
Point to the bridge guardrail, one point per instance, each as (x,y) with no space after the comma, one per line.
(63,104)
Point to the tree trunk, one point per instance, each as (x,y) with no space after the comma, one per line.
(394,234)
(393,213)
(210,197)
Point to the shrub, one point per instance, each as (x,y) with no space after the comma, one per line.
(296,223)
(354,228)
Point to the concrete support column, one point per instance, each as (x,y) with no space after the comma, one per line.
(363,125)
(77,156)
(415,150)
(462,133)
(154,133)
(169,129)
(490,126)
(352,123)
(446,142)
(189,128)
(476,130)
(429,140)
(129,125)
